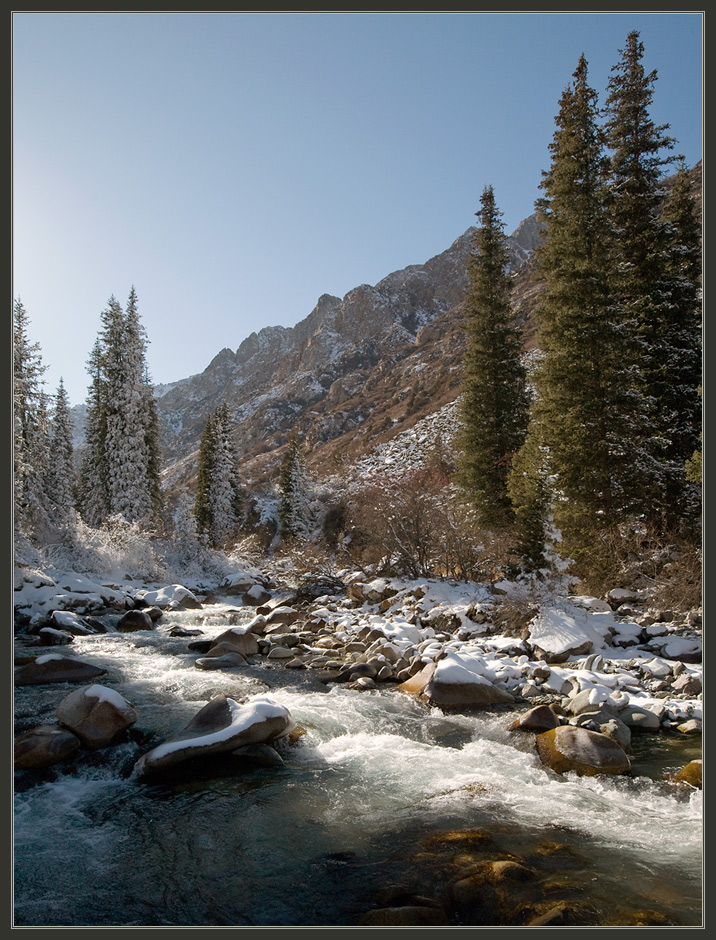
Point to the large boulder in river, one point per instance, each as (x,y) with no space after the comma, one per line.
(97,715)
(222,726)
(586,753)
(235,640)
(44,746)
(135,620)
(538,719)
(169,597)
(55,668)
(448,684)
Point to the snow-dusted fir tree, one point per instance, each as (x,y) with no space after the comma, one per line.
(62,475)
(121,468)
(218,497)
(30,430)
(642,262)
(296,513)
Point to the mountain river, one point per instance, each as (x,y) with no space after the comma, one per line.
(373,800)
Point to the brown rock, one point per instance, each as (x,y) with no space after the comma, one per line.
(55,668)
(44,746)
(135,620)
(97,715)
(540,718)
(409,916)
(690,774)
(572,748)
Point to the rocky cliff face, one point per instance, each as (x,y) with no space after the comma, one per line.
(353,371)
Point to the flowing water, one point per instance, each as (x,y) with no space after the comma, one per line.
(366,798)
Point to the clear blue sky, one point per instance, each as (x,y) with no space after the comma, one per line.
(234,167)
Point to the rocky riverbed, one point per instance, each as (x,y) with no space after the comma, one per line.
(583,688)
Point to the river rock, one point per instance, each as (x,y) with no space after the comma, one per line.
(70,622)
(408,916)
(48,636)
(572,748)
(235,640)
(97,715)
(225,660)
(449,685)
(55,668)
(171,596)
(540,718)
(134,620)
(641,719)
(691,774)
(222,725)
(256,596)
(44,746)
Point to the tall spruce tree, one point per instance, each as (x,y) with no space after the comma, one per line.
(62,465)
(581,427)
(121,467)
(296,513)
(494,402)
(30,431)
(218,497)
(642,261)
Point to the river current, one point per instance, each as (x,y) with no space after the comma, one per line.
(363,801)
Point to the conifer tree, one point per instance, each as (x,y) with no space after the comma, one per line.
(30,430)
(218,498)
(121,467)
(585,397)
(296,512)
(494,402)
(62,467)
(642,253)
(677,386)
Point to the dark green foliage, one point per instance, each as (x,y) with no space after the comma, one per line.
(494,402)
(218,493)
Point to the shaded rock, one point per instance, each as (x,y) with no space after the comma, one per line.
(225,660)
(134,620)
(48,636)
(55,668)
(178,630)
(97,715)
(44,746)
(409,916)
(262,755)
(235,640)
(585,752)
(70,622)
(222,725)
(200,646)
(256,596)
(540,718)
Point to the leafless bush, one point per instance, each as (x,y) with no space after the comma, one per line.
(415,526)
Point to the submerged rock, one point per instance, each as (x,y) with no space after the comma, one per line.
(44,746)
(222,726)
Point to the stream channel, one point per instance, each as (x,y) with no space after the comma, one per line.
(380,791)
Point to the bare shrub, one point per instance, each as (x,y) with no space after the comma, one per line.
(415,526)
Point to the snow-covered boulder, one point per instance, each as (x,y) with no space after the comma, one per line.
(96,715)
(558,632)
(169,597)
(70,622)
(222,726)
(454,683)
